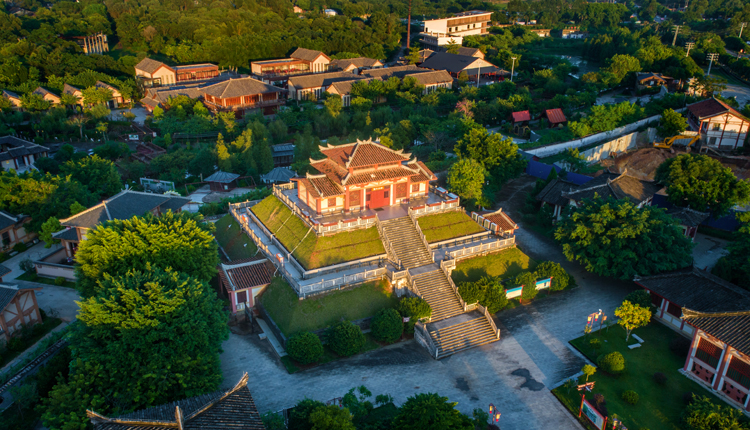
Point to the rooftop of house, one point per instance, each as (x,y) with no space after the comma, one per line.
(8,220)
(523,115)
(41,91)
(500,218)
(697,290)
(307,54)
(651,75)
(4,270)
(345,87)
(713,107)
(688,217)
(223,177)
(242,275)
(731,328)
(149,66)
(320,80)
(621,186)
(456,63)
(552,193)
(389,72)
(14,147)
(10,94)
(555,116)
(279,174)
(8,292)
(124,205)
(240,87)
(221,410)
(283,149)
(362,153)
(70,89)
(356,62)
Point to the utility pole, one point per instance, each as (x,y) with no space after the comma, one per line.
(676,30)
(408,28)
(689,46)
(742,27)
(711,58)
(512,67)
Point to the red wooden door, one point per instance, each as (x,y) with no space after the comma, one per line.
(378,197)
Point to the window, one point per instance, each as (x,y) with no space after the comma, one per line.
(414,188)
(6,239)
(655,300)
(674,310)
(387,194)
(332,202)
(242,297)
(708,353)
(717,127)
(739,372)
(400,191)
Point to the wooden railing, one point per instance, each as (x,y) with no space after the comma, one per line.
(423,337)
(487,315)
(481,248)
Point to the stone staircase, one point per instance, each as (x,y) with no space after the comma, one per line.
(406,243)
(436,290)
(461,336)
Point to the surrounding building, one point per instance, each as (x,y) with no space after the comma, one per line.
(301,62)
(117,98)
(278,175)
(440,40)
(720,125)
(47,95)
(519,120)
(555,117)
(18,307)
(330,12)
(651,80)
(93,44)
(689,220)
(470,52)
(242,281)
(362,175)
(312,87)
(283,154)
(440,32)
(73,91)
(154,97)
(456,64)
(19,154)
(355,65)
(14,98)
(152,73)
(541,32)
(13,230)
(243,96)
(574,33)
(222,181)
(498,222)
(232,409)
(344,89)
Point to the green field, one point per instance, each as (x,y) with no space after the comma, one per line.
(293,315)
(315,251)
(235,242)
(503,264)
(659,406)
(447,225)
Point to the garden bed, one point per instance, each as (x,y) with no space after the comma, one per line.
(233,240)
(292,315)
(313,251)
(33,277)
(504,264)
(447,225)
(659,406)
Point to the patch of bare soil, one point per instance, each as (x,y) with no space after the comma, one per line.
(643,162)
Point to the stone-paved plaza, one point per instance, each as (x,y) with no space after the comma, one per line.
(515,373)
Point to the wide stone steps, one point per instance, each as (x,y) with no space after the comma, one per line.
(406,243)
(437,291)
(462,336)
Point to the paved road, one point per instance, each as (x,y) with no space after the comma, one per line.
(53,299)
(534,340)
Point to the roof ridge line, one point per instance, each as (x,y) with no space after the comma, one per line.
(226,266)
(241,383)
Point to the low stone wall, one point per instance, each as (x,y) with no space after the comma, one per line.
(271,323)
(45,266)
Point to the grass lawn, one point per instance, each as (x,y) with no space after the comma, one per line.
(659,407)
(447,225)
(293,315)
(33,277)
(315,251)
(505,264)
(236,244)
(47,325)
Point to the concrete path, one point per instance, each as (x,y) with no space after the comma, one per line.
(34,253)
(708,250)
(56,301)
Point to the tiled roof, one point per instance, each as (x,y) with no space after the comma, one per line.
(362,153)
(221,410)
(320,80)
(456,63)
(70,89)
(345,87)
(156,96)
(553,193)
(355,62)
(223,177)
(732,328)
(688,217)
(149,66)
(308,186)
(712,107)
(390,72)
(7,292)
(10,94)
(502,220)
(124,205)
(279,174)
(650,75)
(379,175)
(19,147)
(306,54)
(431,78)
(242,276)
(697,290)
(523,115)
(7,220)
(327,167)
(618,187)
(325,186)
(425,174)
(4,270)
(68,233)
(41,91)
(555,116)
(470,52)
(100,84)
(282,149)
(240,87)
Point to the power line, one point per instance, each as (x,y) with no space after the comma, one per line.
(711,57)
(676,30)
(689,46)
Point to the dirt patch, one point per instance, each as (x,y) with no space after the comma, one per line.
(642,163)
(512,197)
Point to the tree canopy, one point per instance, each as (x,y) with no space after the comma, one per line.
(428,411)
(179,241)
(616,238)
(702,183)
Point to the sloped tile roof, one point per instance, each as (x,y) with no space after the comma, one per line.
(242,276)
(425,174)
(553,193)
(308,186)
(649,75)
(223,177)
(41,91)
(618,187)
(390,72)
(7,220)
(7,292)
(470,52)
(306,54)
(502,220)
(555,116)
(368,153)
(149,66)
(327,167)
(431,78)
(70,89)
(712,107)
(379,175)
(279,174)
(688,217)
(325,186)
(221,410)
(124,205)
(345,87)
(456,63)
(732,328)
(67,233)
(320,80)
(4,270)
(697,290)
(355,62)
(10,94)
(523,115)
(19,147)
(240,87)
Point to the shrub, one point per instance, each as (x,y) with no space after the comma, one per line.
(687,397)
(600,404)
(20,247)
(304,348)
(560,278)
(299,416)
(471,292)
(37,329)
(414,307)
(660,378)
(59,281)
(495,298)
(15,344)
(641,298)
(702,414)
(387,326)
(680,346)
(26,265)
(595,343)
(345,338)
(630,397)
(528,280)
(613,362)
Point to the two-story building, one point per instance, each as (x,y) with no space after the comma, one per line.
(243,96)
(720,125)
(18,308)
(440,32)
(312,87)
(20,154)
(301,62)
(362,175)
(152,73)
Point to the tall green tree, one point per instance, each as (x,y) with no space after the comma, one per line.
(672,123)
(632,316)
(702,183)
(497,154)
(429,411)
(466,178)
(153,336)
(99,175)
(182,241)
(735,266)
(616,238)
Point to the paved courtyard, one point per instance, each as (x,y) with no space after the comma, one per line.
(515,373)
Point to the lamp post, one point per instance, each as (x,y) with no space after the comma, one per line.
(494,414)
(742,27)
(512,68)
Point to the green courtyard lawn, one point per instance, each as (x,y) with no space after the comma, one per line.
(315,251)
(504,264)
(233,240)
(447,225)
(659,406)
(293,315)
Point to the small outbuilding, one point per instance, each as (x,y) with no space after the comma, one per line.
(689,220)
(278,175)
(283,154)
(222,181)
(520,121)
(243,280)
(555,117)
(18,307)
(498,222)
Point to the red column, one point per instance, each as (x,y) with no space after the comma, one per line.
(346,199)
(691,353)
